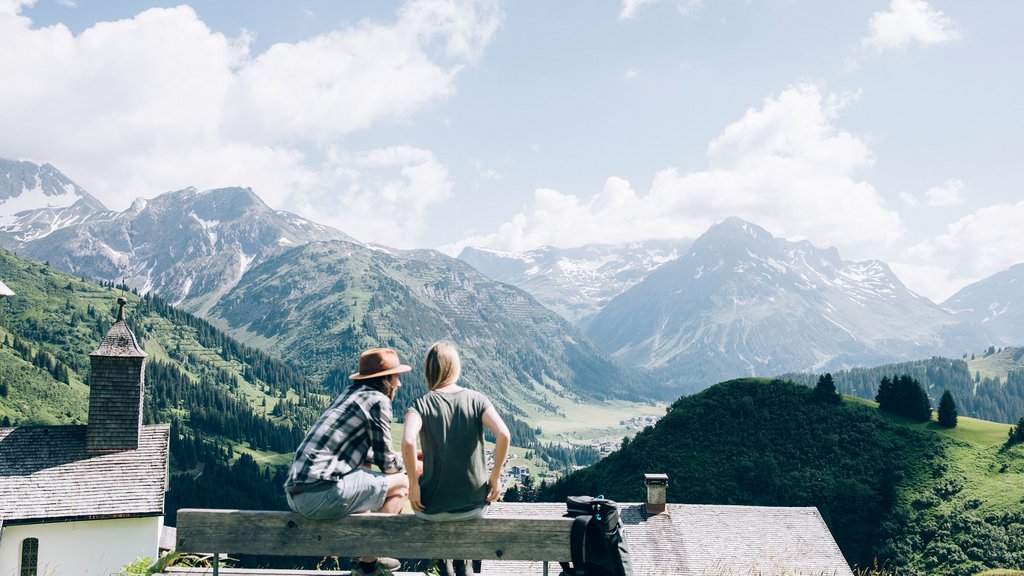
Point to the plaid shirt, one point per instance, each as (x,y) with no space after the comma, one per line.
(355,429)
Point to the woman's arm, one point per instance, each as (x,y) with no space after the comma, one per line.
(502,437)
(413,423)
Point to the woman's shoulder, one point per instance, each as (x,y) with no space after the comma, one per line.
(478,398)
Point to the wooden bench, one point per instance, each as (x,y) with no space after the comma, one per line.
(395,535)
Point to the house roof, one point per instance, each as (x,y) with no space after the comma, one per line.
(701,539)
(47,475)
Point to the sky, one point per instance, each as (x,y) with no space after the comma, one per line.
(890,129)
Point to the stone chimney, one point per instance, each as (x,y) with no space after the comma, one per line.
(657,485)
(116,386)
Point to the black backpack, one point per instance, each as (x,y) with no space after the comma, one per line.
(598,545)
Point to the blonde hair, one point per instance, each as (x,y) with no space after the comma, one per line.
(442,366)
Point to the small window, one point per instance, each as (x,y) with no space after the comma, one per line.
(29,556)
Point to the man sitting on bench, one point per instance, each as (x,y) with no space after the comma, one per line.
(331,475)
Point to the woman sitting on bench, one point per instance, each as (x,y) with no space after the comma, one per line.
(450,422)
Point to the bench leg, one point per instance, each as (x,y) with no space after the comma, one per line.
(545,568)
(216,564)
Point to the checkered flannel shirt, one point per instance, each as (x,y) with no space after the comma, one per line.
(354,430)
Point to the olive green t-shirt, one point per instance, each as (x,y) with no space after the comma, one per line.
(454,461)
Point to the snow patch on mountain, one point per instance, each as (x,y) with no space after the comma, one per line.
(575,282)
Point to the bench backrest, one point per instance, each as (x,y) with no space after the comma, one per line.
(399,536)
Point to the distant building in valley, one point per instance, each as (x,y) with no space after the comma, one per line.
(87,500)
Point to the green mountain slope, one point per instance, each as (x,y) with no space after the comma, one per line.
(318,305)
(989,386)
(55,320)
(921,499)
(231,407)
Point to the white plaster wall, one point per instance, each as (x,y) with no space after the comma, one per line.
(94,548)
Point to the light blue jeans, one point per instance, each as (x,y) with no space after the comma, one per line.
(358,491)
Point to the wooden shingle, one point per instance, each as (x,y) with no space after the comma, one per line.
(47,474)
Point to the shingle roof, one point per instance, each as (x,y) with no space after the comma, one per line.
(711,540)
(46,474)
(119,341)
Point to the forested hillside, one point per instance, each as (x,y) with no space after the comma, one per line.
(921,500)
(995,397)
(228,404)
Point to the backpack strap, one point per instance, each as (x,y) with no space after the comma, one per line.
(577,539)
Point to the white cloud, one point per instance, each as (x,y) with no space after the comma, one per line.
(785,166)
(380,195)
(909,199)
(160,101)
(630,7)
(690,7)
(948,194)
(909,21)
(631,73)
(13,7)
(974,247)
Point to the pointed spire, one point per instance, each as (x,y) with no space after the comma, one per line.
(119,341)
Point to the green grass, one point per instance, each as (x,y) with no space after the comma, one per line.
(998,364)
(978,432)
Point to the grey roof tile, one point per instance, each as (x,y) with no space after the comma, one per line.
(46,474)
(710,540)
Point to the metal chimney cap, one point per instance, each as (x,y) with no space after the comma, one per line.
(655,479)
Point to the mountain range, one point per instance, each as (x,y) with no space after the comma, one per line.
(315,296)
(742,302)
(37,200)
(318,305)
(737,301)
(576,282)
(996,303)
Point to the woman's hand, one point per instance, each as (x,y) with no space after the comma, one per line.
(493,489)
(414,498)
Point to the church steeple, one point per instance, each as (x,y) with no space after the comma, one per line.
(116,389)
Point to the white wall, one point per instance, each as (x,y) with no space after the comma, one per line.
(94,548)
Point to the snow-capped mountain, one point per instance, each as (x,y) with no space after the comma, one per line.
(36,200)
(742,302)
(188,246)
(575,282)
(997,302)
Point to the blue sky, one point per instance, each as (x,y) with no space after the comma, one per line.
(890,129)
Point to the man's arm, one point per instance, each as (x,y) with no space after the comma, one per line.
(379,430)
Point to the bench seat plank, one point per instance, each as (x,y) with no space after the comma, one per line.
(396,535)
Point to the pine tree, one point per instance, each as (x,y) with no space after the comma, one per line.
(1016,433)
(905,396)
(947,410)
(884,396)
(825,390)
